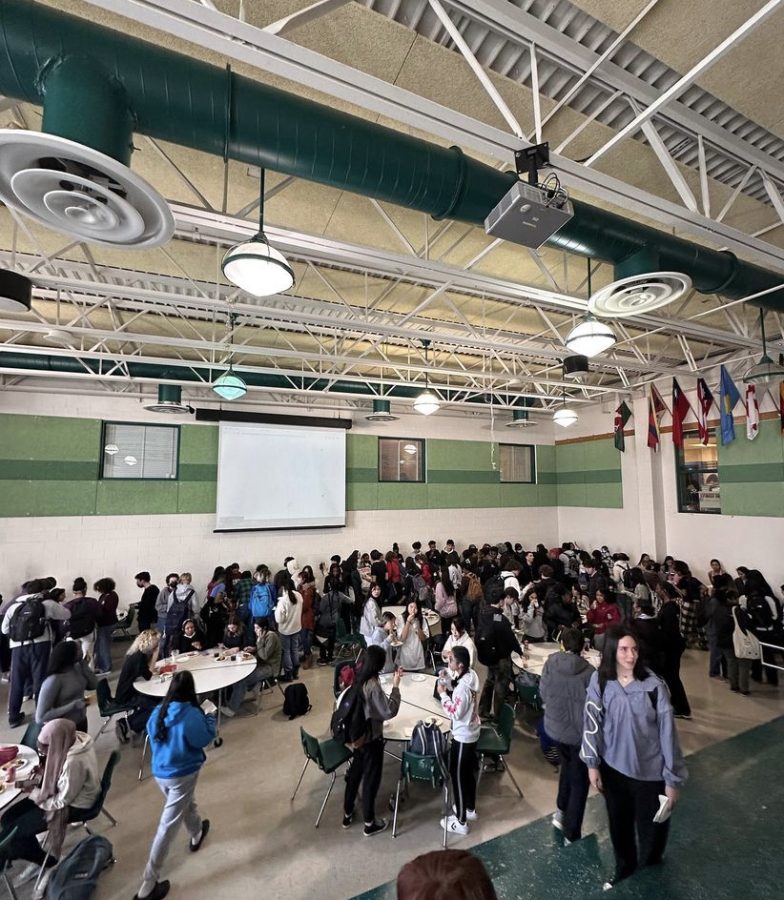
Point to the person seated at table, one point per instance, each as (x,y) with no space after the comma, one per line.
(268,652)
(191,638)
(70,785)
(234,636)
(459,637)
(215,615)
(414,633)
(371,612)
(563,687)
(383,636)
(368,759)
(445,875)
(139,663)
(62,693)
(463,712)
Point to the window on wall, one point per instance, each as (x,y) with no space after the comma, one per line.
(148,452)
(698,475)
(401,459)
(518,463)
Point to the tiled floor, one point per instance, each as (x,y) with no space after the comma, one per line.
(261,842)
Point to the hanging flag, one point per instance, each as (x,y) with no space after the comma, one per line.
(704,404)
(655,408)
(781,404)
(728,400)
(659,406)
(622,416)
(752,412)
(680,409)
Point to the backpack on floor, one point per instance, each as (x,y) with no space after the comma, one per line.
(296,701)
(76,876)
(349,724)
(29,620)
(427,739)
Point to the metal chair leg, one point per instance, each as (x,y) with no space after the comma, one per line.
(481,768)
(144,754)
(514,782)
(397,803)
(329,791)
(8,884)
(446,810)
(104,726)
(109,816)
(301,776)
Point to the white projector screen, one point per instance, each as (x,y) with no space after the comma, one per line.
(280,476)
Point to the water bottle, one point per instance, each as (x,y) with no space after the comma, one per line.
(525,649)
(443,677)
(587,645)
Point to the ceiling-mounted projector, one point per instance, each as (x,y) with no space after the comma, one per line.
(529,214)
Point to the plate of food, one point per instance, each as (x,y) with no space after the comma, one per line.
(419,677)
(246,656)
(13,764)
(396,643)
(189,655)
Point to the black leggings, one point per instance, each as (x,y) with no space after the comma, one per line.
(365,768)
(462,768)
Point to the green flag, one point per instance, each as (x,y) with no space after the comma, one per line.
(622,416)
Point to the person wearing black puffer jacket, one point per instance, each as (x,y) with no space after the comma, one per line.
(560,612)
(496,642)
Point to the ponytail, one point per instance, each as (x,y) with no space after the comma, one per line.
(181,690)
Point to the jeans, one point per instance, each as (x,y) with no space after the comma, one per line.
(327,644)
(239,690)
(717,665)
(470,613)
(738,671)
(180,808)
(365,768)
(306,640)
(103,648)
(28,666)
(572,790)
(496,688)
(290,647)
(462,767)
(29,820)
(632,804)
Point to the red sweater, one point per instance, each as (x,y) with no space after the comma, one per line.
(604,615)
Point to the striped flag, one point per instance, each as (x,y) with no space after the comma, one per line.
(680,409)
(655,408)
(704,404)
(752,412)
(728,400)
(622,416)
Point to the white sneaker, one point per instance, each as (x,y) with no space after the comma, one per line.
(229,713)
(453,825)
(471,814)
(558,819)
(29,872)
(40,892)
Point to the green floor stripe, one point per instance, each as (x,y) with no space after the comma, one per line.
(723,843)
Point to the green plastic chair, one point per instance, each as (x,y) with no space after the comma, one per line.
(107,705)
(4,865)
(30,737)
(416,767)
(348,643)
(497,742)
(328,755)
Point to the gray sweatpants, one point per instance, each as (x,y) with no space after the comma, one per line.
(180,808)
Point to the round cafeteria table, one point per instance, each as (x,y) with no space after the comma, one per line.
(538,654)
(10,793)
(210,673)
(417,704)
(431,617)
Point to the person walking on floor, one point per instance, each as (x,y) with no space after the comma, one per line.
(462,710)
(673,644)
(631,748)
(495,644)
(562,687)
(178,731)
(368,759)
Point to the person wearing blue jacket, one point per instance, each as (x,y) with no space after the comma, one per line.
(178,731)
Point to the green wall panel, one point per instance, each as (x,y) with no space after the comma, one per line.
(196,496)
(49,438)
(199,444)
(47,498)
(362,451)
(588,473)
(133,498)
(751,473)
(461,455)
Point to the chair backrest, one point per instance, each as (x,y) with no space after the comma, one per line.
(340,629)
(30,737)
(106,778)
(130,616)
(417,767)
(311,747)
(104,694)
(530,696)
(5,842)
(506,720)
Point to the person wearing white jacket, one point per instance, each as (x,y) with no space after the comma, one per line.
(463,711)
(371,613)
(288,615)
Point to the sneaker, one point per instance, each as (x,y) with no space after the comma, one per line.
(229,713)
(15,723)
(453,826)
(376,827)
(122,730)
(205,830)
(5,677)
(40,890)
(567,842)
(321,662)
(27,697)
(557,819)
(348,818)
(27,874)
(160,890)
(682,716)
(471,814)
(607,886)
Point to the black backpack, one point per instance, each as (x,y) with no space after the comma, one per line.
(349,724)
(762,617)
(76,876)
(626,578)
(296,701)
(29,620)
(427,739)
(493,589)
(82,621)
(486,649)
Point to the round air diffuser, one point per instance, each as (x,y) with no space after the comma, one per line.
(16,292)
(169,401)
(80,191)
(381,412)
(520,419)
(638,294)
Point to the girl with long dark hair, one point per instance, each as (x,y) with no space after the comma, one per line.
(106,620)
(446,599)
(62,692)
(178,731)
(631,748)
(288,615)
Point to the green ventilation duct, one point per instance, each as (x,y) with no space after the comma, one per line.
(180,99)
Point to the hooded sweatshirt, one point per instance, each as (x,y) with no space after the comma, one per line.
(288,614)
(462,708)
(79,783)
(189,730)
(562,687)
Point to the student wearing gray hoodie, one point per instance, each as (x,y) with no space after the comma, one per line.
(564,681)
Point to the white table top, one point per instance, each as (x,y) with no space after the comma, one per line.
(431,617)
(417,704)
(30,757)
(209,674)
(538,654)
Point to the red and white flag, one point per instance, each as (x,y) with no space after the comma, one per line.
(752,412)
(680,409)
(704,404)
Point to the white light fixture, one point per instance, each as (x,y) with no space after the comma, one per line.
(766,369)
(409,448)
(564,417)
(130,460)
(427,403)
(229,386)
(255,266)
(590,337)
(111,449)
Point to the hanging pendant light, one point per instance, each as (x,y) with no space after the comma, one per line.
(427,402)
(229,385)
(564,416)
(766,369)
(255,266)
(591,336)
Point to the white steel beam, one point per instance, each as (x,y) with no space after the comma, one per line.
(236,40)
(304,16)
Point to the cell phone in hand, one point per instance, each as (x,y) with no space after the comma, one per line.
(209,708)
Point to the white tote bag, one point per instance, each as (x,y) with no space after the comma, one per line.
(746,646)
